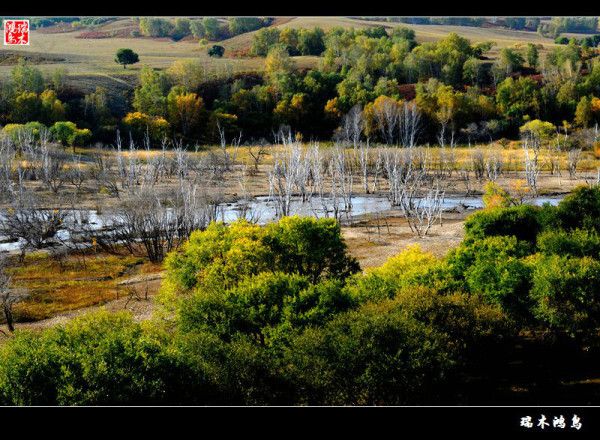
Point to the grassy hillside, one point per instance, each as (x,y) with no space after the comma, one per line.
(86,58)
(88,54)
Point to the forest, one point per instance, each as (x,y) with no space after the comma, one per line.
(460,93)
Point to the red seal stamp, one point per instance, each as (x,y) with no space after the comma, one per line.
(16,32)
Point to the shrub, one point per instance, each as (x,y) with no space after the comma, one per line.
(575,243)
(242,372)
(400,351)
(252,307)
(138,124)
(580,209)
(311,247)
(565,291)
(494,268)
(17,131)
(96,359)
(495,196)
(67,133)
(370,356)
(318,303)
(222,256)
(216,51)
(410,267)
(521,221)
(264,306)
(218,257)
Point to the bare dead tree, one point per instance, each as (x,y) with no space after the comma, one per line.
(446,162)
(441,137)
(377,169)
(532,147)
(493,166)
(555,150)
(104,171)
(318,166)
(396,167)
(478,164)
(257,154)
(30,224)
(363,159)
(341,180)
(352,126)
(303,175)
(283,176)
(421,210)
(405,170)
(7,159)
(409,124)
(244,209)
(422,215)
(227,158)
(181,161)
(573,157)
(77,174)
(387,117)
(155,222)
(45,162)
(465,176)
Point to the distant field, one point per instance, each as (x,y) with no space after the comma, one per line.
(503,37)
(90,62)
(88,58)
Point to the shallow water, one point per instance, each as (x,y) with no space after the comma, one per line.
(263,210)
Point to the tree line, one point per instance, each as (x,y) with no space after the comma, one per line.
(458,91)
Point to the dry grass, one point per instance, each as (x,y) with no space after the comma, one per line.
(377,238)
(55,288)
(93,59)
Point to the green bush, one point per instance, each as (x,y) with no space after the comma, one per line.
(318,303)
(216,51)
(565,291)
(217,258)
(411,267)
(97,359)
(221,256)
(311,247)
(400,351)
(494,268)
(263,307)
(16,131)
(253,307)
(575,243)
(67,133)
(580,209)
(521,221)
(241,371)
